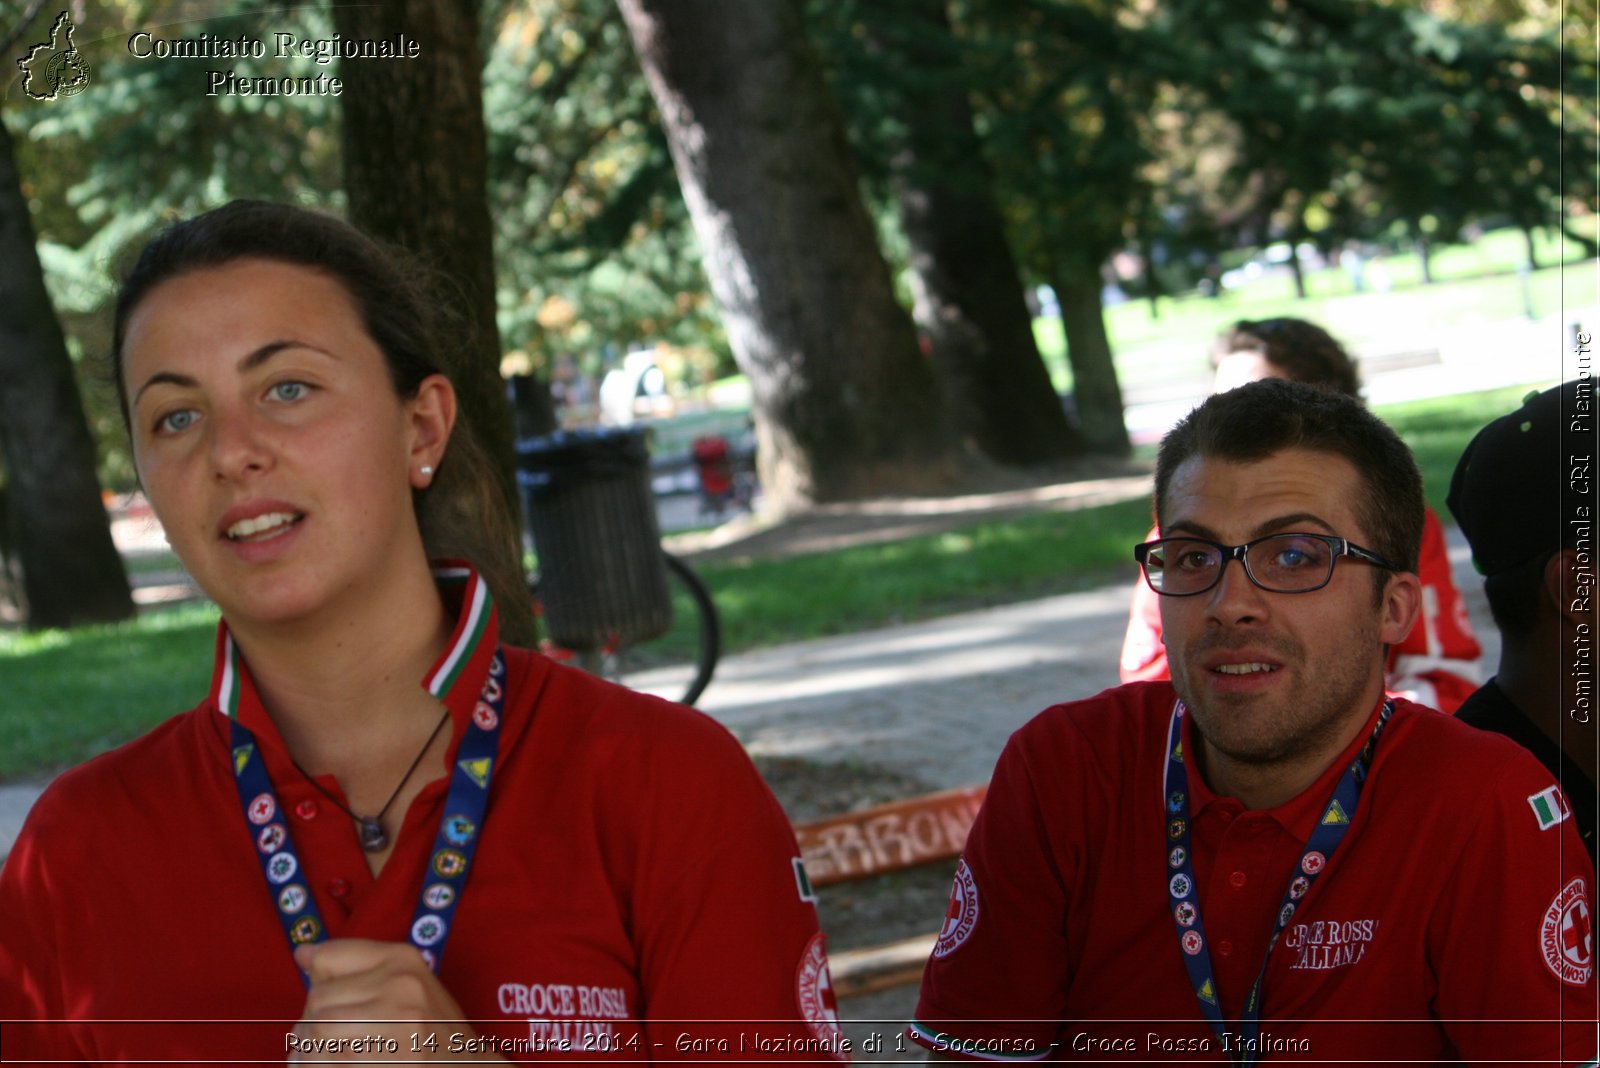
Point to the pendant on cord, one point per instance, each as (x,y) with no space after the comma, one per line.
(372,837)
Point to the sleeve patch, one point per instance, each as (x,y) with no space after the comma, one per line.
(961,918)
(819,1007)
(1566,937)
(1549,807)
(802,881)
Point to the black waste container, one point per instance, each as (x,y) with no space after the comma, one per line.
(602,576)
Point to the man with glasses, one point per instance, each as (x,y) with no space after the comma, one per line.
(1437,663)
(1266,856)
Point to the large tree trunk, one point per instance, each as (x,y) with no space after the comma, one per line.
(846,405)
(59,535)
(415,158)
(1094,376)
(969,298)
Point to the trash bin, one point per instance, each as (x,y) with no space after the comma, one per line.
(602,574)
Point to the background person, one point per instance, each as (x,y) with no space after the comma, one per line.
(1266,845)
(1532,535)
(322,840)
(1436,664)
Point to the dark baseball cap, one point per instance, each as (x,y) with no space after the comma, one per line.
(1512,493)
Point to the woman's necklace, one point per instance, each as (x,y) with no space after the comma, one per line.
(373,837)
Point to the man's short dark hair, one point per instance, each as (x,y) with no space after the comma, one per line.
(1255,421)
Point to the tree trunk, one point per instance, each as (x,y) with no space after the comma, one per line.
(1297,271)
(1297,233)
(1154,290)
(1533,252)
(59,534)
(846,405)
(1424,255)
(969,298)
(1094,375)
(415,158)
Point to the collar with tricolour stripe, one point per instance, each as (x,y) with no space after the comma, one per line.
(455,678)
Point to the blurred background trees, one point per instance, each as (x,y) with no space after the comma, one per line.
(865,207)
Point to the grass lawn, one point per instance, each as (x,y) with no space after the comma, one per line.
(1478,282)
(69,695)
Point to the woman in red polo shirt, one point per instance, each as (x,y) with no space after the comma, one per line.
(1437,663)
(509,855)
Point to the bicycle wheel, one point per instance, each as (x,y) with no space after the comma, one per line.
(678,664)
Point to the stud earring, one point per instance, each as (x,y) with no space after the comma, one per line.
(427,471)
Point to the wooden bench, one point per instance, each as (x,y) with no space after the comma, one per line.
(877,841)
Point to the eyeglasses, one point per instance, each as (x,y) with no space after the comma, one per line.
(1278,563)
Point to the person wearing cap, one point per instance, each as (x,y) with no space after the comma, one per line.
(1267,856)
(1436,664)
(1523,495)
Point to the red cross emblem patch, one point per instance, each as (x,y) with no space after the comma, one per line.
(962,916)
(819,1007)
(1566,935)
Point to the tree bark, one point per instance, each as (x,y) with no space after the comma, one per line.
(969,298)
(416,171)
(1094,376)
(59,534)
(846,405)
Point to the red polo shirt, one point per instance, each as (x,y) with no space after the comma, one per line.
(1452,900)
(632,871)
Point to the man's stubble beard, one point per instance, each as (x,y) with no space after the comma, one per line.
(1317,707)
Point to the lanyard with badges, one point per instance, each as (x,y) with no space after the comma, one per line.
(453,847)
(1184,891)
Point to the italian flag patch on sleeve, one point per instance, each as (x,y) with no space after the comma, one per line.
(1549,807)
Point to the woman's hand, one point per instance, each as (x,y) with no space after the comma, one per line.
(355,980)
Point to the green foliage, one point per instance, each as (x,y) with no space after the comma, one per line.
(1179,130)
(1063,109)
(595,253)
(144,144)
(1367,121)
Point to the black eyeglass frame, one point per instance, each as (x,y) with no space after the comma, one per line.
(1340,547)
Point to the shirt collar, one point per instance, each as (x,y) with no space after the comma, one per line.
(1298,815)
(456,677)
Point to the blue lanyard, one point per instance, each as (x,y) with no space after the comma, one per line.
(1184,890)
(453,846)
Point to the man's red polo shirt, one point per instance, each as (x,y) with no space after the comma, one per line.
(1454,899)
